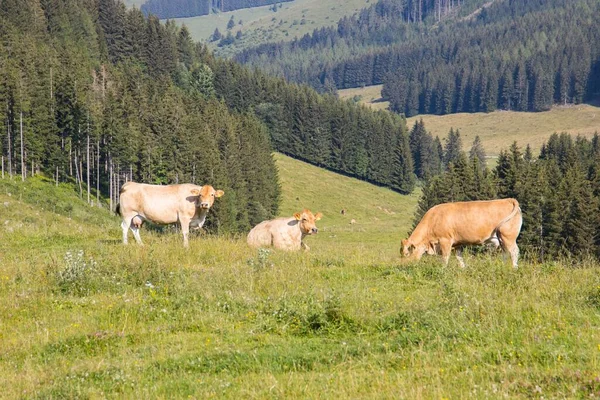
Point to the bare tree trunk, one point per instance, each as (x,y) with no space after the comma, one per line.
(117,183)
(88,159)
(23,170)
(9,150)
(57,175)
(78,176)
(98,173)
(70,157)
(80,173)
(2,167)
(110,180)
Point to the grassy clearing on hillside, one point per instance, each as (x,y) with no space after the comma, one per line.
(368,95)
(294,19)
(132,3)
(83,316)
(498,130)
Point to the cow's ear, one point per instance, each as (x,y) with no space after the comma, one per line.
(195,192)
(219,193)
(318,216)
(298,216)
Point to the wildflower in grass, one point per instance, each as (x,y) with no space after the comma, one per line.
(74,276)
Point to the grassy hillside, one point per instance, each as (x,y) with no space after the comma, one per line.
(83,316)
(382,216)
(498,129)
(293,19)
(368,95)
(136,3)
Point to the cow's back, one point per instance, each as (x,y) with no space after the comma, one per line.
(282,233)
(467,222)
(157,203)
(260,235)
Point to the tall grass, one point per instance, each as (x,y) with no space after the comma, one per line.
(83,316)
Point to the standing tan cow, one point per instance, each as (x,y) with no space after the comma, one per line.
(459,224)
(186,204)
(285,233)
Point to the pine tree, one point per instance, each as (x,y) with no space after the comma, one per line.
(402,177)
(508,170)
(217,35)
(578,204)
(453,147)
(231,23)
(478,151)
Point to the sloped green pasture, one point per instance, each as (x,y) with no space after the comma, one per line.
(82,316)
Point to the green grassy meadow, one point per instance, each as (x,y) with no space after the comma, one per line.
(260,24)
(82,316)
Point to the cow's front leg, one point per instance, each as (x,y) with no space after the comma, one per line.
(304,246)
(446,249)
(185,230)
(125,229)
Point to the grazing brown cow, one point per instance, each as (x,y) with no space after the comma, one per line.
(285,233)
(459,224)
(187,204)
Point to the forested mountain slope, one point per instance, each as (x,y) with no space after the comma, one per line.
(88,93)
(93,92)
(518,55)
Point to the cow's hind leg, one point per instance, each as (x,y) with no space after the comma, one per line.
(459,257)
(514,255)
(510,247)
(136,224)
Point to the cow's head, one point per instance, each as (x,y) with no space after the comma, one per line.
(206,196)
(416,251)
(307,221)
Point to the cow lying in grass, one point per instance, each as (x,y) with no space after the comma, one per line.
(285,233)
(454,225)
(186,203)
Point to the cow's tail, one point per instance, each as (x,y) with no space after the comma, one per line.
(123,189)
(516,210)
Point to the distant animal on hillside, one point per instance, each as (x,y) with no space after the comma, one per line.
(285,233)
(343,212)
(459,224)
(352,221)
(187,204)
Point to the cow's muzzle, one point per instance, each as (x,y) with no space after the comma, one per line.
(314,230)
(204,205)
